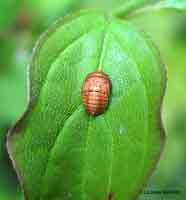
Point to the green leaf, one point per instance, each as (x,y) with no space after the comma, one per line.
(134,7)
(60,151)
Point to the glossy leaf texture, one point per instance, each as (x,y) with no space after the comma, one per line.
(59,151)
(134,7)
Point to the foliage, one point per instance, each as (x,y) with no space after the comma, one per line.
(57,126)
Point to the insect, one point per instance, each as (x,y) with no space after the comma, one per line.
(95,92)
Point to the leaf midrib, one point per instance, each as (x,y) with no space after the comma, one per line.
(100,67)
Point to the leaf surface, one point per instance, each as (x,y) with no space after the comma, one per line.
(59,151)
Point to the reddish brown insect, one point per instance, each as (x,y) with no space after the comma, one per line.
(96,90)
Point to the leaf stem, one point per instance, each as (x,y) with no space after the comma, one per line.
(133,8)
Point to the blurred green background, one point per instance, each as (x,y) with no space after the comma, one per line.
(22,22)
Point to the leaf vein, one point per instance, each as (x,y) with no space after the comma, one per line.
(58,135)
(63,51)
